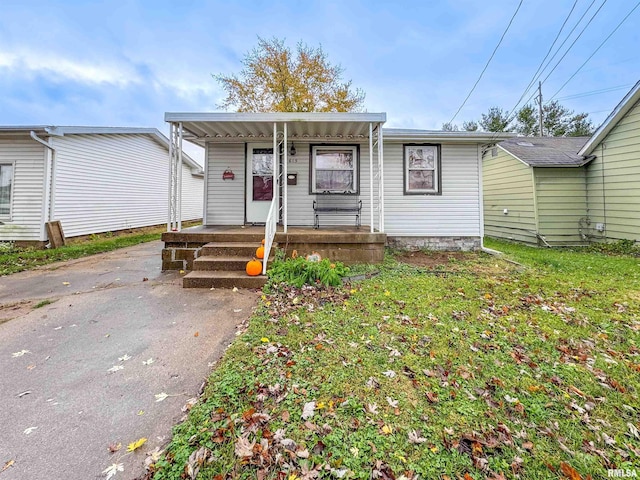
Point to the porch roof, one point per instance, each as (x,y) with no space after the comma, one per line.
(224,127)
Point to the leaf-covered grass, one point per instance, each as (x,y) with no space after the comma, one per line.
(492,370)
(19,259)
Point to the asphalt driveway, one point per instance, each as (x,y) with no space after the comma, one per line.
(83,372)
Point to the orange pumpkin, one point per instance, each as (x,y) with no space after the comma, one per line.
(254,267)
(260,252)
(263,241)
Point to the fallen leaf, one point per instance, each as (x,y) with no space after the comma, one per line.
(133,446)
(66,283)
(308,410)
(432,397)
(393,403)
(20,395)
(114,447)
(181,272)
(148,362)
(237,310)
(389,374)
(196,334)
(113,469)
(569,471)
(415,438)
(31,367)
(633,430)
(234,289)
(7,464)
(20,353)
(386,429)
(115,368)
(372,408)
(160,396)
(29,430)
(244,448)
(124,358)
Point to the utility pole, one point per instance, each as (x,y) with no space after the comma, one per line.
(540,106)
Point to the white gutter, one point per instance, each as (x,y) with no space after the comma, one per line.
(47,204)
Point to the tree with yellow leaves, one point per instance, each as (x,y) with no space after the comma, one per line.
(275,79)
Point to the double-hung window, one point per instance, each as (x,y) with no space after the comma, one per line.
(6,181)
(422,169)
(334,169)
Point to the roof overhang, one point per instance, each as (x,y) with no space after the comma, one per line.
(612,120)
(202,128)
(409,135)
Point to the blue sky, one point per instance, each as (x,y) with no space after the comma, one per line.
(124,63)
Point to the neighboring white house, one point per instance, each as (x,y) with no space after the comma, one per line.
(92,179)
(421,188)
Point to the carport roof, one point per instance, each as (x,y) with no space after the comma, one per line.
(202,127)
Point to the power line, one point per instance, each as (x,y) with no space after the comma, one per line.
(538,72)
(575,40)
(596,50)
(535,75)
(595,92)
(487,64)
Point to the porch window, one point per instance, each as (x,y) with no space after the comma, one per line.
(422,169)
(6,180)
(334,169)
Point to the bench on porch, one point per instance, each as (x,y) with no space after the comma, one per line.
(331,203)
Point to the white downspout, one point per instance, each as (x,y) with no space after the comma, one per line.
(481,206)
(47,207)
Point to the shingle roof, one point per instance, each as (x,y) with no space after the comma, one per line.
(547,151)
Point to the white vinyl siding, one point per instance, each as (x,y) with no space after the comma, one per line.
(112,182)
(28,160)
(456,212)
(192,194)
(613,178)
(225,198)
(301,202)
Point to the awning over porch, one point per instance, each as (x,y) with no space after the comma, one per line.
(278,128)
(201,128)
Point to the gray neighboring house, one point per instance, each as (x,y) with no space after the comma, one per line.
(535,190)
(92,179)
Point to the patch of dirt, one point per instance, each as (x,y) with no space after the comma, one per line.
(9,311)
(434,259)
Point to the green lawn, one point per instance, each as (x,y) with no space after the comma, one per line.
(479,368)
(16,259)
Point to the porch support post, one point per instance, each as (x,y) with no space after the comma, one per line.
(371,173)
(274,161)
(285,167)
(179,182)
(381,188)
(172,178)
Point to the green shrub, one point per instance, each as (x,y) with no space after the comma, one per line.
(300,271)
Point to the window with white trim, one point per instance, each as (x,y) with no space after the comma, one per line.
(422,169)
(6,181)
(334,169)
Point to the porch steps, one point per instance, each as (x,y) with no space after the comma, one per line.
(222,263)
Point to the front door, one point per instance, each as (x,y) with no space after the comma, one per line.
(259,186)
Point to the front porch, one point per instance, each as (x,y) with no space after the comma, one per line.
(217,255)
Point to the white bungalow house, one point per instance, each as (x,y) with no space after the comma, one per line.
(91,179)
(359,185)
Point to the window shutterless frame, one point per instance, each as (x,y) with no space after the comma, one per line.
(422,169)
(314,170)
(12,173)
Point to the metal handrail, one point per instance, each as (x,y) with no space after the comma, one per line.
(270,229)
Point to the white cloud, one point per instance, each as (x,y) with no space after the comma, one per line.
(80,71)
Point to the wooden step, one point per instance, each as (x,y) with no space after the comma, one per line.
(230,249)
(222,279)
